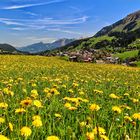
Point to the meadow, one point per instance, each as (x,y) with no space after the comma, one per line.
(45,98)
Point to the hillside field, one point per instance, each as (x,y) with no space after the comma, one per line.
(45,98)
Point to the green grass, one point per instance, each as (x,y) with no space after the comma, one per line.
(53,83)
(128,54)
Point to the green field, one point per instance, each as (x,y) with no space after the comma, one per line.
(128,54)
(45,98)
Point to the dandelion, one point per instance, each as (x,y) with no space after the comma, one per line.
(2,120)
(116,109)
(2,137)
(57,115)
(10,127)
(3,105)
(136,116)
(37,123)
(90,135)
(104,137)
(127,118)
(113,96)
(20,110)
(36,117)
(52,138)
(72,108)
(99,130)
(25,131)
(34,93)
(67,105)
(26,102)
(94,107)
(37,103)
(98,91)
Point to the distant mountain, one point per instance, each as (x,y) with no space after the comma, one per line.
(39,47)
(6,48)
(128,24)
(121,36)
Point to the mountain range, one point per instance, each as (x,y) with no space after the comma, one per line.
(119,37)
(40,47)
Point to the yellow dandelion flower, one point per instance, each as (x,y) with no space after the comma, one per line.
(134,100)
(126,94)
(26,102)
(94,107)
(52,138)
(72,108)
(113,96)
(2,120)
(34,93)
(36,117)
(3,105)
(104,137)
(37,103)
(20,110)
(25,131)
(37,123)
(98,91)
(116,109)
(67,105)
(136,116)
(99,130)
(2,137)
(127,118)
(83,124)
(90,135)
(57,115)
(11,127)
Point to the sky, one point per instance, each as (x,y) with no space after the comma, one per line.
(24,22)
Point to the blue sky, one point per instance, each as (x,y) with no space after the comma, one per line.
(24,22)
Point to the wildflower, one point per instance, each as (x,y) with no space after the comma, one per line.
(2,120)
(113,96)
(37,123)
(26,131)
(90,135)
(127,118)
(52,138)
(134,100)
(83,124)
(98,91)
(2,137)
(67,105)
(3,105)
(20,110)
(136,116)
(104,137)
(54,91)
(126,94)
(57,115)
(26,102)
(11,127)
(36,117)
(116,109)
(37,103)
(94,107)
(99,130)
(34,93)
(72,108)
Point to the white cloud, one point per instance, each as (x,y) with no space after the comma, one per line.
(31,5)
(64,31)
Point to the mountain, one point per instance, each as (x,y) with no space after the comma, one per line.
(39,47)
(124,35)
(6,48)
(129,23)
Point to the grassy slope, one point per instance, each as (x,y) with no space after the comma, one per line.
(128,54)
